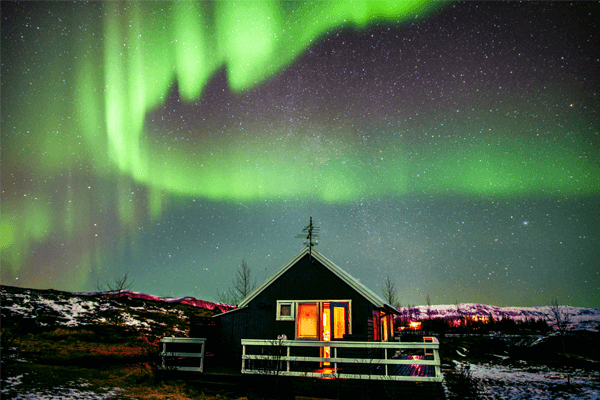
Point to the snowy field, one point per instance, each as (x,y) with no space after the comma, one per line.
(75,391)
(498,382)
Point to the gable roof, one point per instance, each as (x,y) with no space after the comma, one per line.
(340,273)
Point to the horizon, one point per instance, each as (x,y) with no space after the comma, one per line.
(94,292)
(451,146)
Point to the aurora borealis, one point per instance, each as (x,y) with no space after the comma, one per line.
(453,146)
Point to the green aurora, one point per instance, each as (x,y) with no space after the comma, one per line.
(111,76)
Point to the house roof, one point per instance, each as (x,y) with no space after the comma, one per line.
(340,273)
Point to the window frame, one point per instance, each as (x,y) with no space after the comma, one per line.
(292,316)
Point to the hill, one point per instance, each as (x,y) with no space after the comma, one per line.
(35,307)
(91,345)
(580,318)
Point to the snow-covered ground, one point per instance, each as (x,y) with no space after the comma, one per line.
(85,309)
(534,383)
(75,391)
(496,382)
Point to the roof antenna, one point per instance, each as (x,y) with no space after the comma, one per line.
(310,233)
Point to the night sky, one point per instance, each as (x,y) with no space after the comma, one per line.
(452,146)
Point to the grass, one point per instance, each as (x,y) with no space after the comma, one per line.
(103,353)
(70,358)
(134,382)
(105,357)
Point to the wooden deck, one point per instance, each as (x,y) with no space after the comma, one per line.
(415,370)
(417,362)
(391,361)
(372,370)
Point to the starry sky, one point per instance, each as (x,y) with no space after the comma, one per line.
(451,146)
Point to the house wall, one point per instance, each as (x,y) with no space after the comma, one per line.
(237,325)
(308,279)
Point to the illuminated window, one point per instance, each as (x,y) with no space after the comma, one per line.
(285,311)
(376,326)
(384,327)
(339,317)
(307,321)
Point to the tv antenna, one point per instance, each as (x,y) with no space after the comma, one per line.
(310,233)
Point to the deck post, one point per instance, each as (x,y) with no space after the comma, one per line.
(385,358)
(243,357)
(202,357)
(288,358)
(428,339)
(436,358)
(335,363)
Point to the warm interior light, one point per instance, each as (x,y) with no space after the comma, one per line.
(329,371)
(307,320)
(339,318)
(384,327)
(326,332)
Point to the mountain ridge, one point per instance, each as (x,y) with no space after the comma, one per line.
(75,308)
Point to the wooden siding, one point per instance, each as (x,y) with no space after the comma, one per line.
(370,330)
(241,324)
(309,280)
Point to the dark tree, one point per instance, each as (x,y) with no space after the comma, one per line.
(561,319)
(428,301)
(390,293)
(242,285)
(117,285)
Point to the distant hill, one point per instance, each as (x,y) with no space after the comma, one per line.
(581,318)
(35,307)
(192,301)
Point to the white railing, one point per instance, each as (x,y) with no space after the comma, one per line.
(180,343)
(376,363)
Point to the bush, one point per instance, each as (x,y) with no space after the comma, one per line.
(462,385)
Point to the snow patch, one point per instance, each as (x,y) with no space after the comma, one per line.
(535,383)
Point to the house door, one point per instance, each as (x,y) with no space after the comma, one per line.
(334,324)
(340,320)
